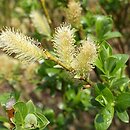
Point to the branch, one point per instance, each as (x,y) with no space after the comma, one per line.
(51,57)
(45,10)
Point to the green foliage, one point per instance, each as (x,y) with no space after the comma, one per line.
(4,98)
(22,110)
(123,116)
(24,114)
(104,118)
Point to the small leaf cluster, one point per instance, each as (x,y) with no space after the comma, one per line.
(25,116)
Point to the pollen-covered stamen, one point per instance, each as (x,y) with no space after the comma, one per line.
(23,47)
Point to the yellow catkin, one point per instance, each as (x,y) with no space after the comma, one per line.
(24,48)
(85,58)
(73,13)
(40,23)
(64,44)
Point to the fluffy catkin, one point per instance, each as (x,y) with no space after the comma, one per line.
(40,23)
(64,44)
(14,42)
(73,13)
(85,58)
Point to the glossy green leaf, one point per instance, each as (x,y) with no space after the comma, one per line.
(123,101)
(21,109)
(121,81)
(122,59)
(101,99)
(107,47)
(110,35)
(4,98)
(30,106)
(85,98)
(42,121)
(52,71)
(105,51)
(59,85)
(99,65)
(49,113)
(105,94)
(104,118)
(103,25)
(123,116)
(18,127)
(70,94)
(110,64)
(18,118)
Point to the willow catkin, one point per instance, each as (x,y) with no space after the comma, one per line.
(84,61)
(64,44)
(40,23)
(73,13)
(14,42)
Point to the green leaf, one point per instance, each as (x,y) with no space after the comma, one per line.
(107,47)
(104,53)
(42,121)
(21,109)
(18,127)
(99,65)
(103,25)
(4,98)
(60,120)
(121,81)
(101,99)
(110,64)
(59,85)
(110,35)
(122,59)
(85,98)
(123,101)
(18,119)
(105,94)
(30,106)
(52,71)
(104,118)
(3,119)
(123,116)
(70,94)
(49,113)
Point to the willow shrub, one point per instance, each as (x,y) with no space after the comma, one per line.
(80,46)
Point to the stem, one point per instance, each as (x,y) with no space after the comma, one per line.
(45,10)
(88,81)
(51,57)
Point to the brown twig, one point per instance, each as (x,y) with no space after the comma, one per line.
(45,10)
